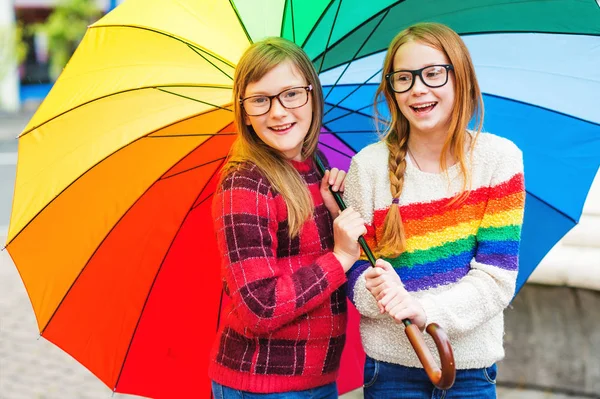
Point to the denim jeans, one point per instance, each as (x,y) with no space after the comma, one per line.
(328,391)
(390,381)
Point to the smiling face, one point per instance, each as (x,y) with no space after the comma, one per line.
(428,110)
(281,128)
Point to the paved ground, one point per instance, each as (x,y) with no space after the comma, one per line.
(33,368)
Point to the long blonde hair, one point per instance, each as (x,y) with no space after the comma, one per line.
(468,104)
(255,63)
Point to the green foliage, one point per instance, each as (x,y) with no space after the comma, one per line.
(65,28)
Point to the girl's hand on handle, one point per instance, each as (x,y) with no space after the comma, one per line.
(399,304)
(381,277)
(347,227)
(392,298)
(335,179)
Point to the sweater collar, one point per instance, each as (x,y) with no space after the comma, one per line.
(302,166)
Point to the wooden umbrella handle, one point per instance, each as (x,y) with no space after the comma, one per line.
(442,378)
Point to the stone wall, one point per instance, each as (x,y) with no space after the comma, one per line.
(552,340)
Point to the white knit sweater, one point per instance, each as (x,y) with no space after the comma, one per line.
(461,260)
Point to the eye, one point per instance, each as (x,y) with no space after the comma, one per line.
(434,72)
(291,94)
(258,100)
(403,77)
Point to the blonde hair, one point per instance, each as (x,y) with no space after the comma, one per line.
(255,63)
(468,103)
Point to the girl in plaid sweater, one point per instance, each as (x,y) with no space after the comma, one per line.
(444,207)
(285,244)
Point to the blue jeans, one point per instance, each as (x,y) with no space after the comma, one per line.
(328,391)
(390,381)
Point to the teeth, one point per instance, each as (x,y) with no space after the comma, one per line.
(283,127)
(423,105)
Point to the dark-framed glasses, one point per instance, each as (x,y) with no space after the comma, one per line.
(294,97)
(431,76)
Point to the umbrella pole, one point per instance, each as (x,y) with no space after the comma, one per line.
(442,378)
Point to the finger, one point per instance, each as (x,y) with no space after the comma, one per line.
(332,176)
(399,312)
(325,180)
(376,283)
(384,265)
(391,302)
(373,273)
(339,178)
(385,296)
(344,215)
(388,291)
(377,290)
(355,227)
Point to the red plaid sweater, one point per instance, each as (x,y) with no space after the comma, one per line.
(284,328)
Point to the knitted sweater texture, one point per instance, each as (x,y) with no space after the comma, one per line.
(284,326)
(461,260)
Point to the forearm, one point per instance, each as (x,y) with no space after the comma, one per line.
(478,297)
(361,297)
(273,300)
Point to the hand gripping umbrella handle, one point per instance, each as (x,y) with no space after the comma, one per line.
(442,378)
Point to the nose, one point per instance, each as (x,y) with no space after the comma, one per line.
(277,109)
(419,87)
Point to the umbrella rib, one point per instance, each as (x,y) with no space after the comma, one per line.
(106,157)
(542,108)
(107,234)
(391,6)
(347,132)
(358,27)
(207,60)
(556,209)
(354,58)
(350,111)
(283,18)
(314,27)
(293,21)
(189,135)
(158,273)
(469,34)
(237,15)
(335,18)
(193,99)
(203,201)
(335,149)
(115,94)
(229,63)
(192,168)
(352,92)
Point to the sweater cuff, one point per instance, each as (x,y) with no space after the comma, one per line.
(431,311)
(333,269)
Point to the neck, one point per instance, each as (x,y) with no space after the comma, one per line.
(428,147)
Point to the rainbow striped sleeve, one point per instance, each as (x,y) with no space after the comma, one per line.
(499,233)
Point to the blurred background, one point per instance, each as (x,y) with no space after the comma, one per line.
(552,328)
(37,38)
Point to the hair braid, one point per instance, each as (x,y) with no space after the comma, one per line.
(393,240)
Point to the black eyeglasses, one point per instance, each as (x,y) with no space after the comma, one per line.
(292,98)
(432,76)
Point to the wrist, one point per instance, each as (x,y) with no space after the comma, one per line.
(345,259)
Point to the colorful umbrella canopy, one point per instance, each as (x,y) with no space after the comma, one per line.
(111,228)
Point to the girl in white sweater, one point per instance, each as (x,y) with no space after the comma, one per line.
(444,208)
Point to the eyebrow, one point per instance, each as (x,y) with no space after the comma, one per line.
(262,93)
(423,66)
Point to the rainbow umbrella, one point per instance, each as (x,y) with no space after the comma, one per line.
(111,228)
